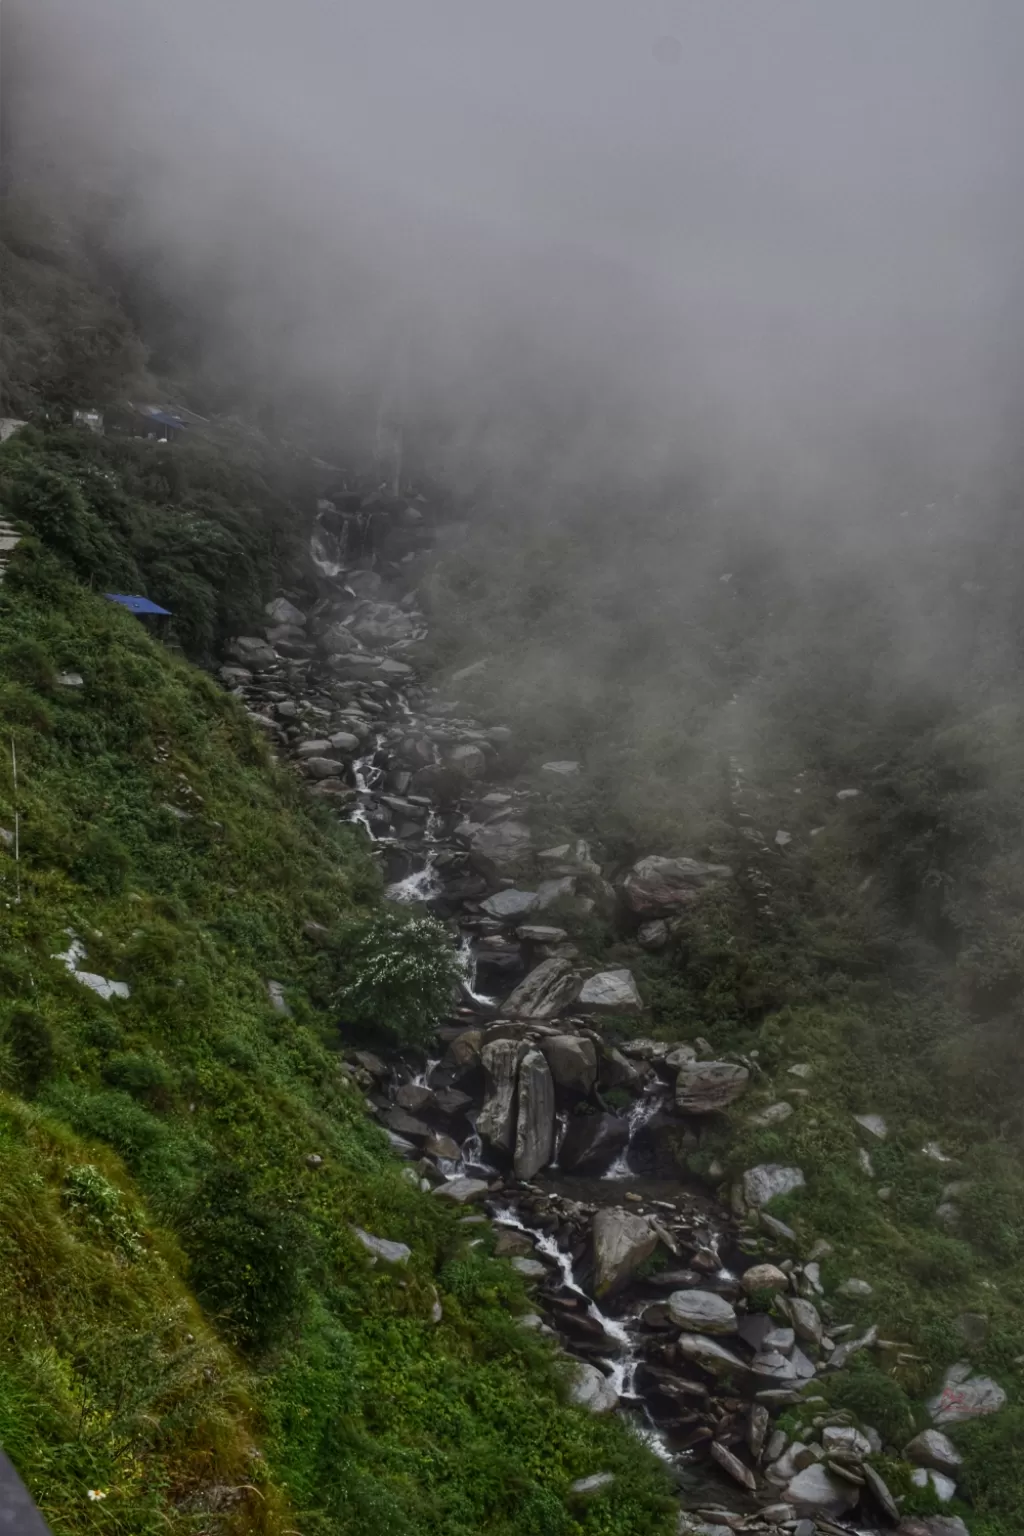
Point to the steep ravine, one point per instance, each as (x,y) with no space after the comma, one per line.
(705,1322)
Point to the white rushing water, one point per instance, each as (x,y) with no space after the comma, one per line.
(467,966)
(425,883)
(640,1114)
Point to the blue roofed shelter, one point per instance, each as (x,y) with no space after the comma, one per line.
(155,618)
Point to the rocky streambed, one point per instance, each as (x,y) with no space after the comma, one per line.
(699,1318)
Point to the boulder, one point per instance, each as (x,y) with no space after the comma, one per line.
(611,992)
(382,624)
(769,1180)
(414,1098)
(931,1448)
(701,1312)
(314,748)
(874,1125)
(587,1487)
(462,1191)
(404,1124)
(658,886)
(549,988)
(711,1357)
(845,1440)
(964,1396)
(653,935)
(345,742)
(510,904)
(563,768)
(503,844)
(817,1491)
(338,640)
(323,767)
(467,761)
(530,1269)
(805,1319)
(764,1277)
(592,1390)
(732,1466)
(573,1062)
(496,1122)
(592,1143)
(540,933)
(621,1243)
(252,652)
(855,1290)
(442,1147)
(281,611)
(616,1071)
(463,1055)
(535,1120)
(381,1248)
(703,1087)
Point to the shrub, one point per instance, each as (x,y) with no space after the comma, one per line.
(98,1207)
(33,1050)
(104,863)
(398,975)
(874,1399)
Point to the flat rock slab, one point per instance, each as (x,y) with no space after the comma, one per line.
(657,886)
(701,1312)
(611,992)
(768,1181)
(703,1087)
(622,1241)
(964,1396)
(711,1357)
(817,1491)
(462,1191)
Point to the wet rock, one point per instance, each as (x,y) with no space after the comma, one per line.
(338,640)
(510,1243)
(621,1243)
(656,886)
(414,1098)
(381,1248)
(462,1191)
(451,1102)
(535,1121)
(616,1071)
(701,1312)
(932,1448)
(549,988)
(703,1087)
(964,1396)
(817,1491)
(711,1357)
(371,1063)
(573,1063)
(502,844)
(611,992)
(407,1125)
(530,1269)
(732,1466)
(463,1054)
(540,933)
(496,1122)
(443,1147)
(764,1277)
(592,1390)
(592,1143)
(768,1181)
(344,742)
(468,761)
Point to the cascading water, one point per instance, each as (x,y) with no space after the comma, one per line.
(467,966)
(425,883)
(643,1111)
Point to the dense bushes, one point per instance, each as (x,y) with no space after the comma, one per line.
(398,975)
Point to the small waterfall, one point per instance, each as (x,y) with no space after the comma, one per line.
(467,965)
(363,771)
(561,1126)
(643,1111)
(422,1079)
(426,883)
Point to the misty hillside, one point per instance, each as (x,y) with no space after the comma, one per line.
(512,988)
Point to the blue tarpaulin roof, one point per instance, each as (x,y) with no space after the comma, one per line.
(136,604)
(154,413)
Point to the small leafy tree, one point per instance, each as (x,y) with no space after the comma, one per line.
(397,974)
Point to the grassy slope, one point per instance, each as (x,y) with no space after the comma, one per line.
(190,1326)
(889,958)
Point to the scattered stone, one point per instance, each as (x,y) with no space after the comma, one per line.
(586,1487)
(530,1269)
(874,1124)
(805,1319)
(658,885)
(845,1440)
(774,1114)
(611,992)
(703,1087)
(817,1491)
(944,1488)
(768,1181)
(510,904)
(621,1242)
(653,935)
(71,679)
(442,1147)
(468,761)
(711,1357)
(847,794)
(539,933)
(857,1290)
(281,611)
(701,1312)
(931,1448)
(564,769)
(764,1277)
(801,1069)
(381,1248)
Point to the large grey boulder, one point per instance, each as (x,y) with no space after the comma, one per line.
(549,988)
(817,1491)
(382,624)
(496,1121)
(591,1390)
(621,1243)
(573,1062)
(769,1180)
(964,1396)
(659,887)
(252,652)
(323,767)
(510,904)
(611,992)
(931,1448)
(281,611)
(535,1120)
(346,742)
(383,1248)
(592,1143)
(703,1087)
(701,1312)
(468,761)
(805,1318)
(462,1191)
(338,640)
(503,844)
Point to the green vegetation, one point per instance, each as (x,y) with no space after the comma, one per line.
(192,1330)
